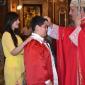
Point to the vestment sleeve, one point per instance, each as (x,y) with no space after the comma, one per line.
(53,32)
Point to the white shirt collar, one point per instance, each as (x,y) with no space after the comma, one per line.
(37,37)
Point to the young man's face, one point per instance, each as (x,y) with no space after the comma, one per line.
(73,12)
(42,30)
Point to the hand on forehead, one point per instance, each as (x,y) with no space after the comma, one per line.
(48,18)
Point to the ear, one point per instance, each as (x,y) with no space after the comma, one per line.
(37,26)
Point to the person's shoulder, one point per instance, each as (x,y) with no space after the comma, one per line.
(6,34)
(67,28)
(34,43)
(71,27)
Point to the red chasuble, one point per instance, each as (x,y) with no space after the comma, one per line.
(37,63)
(81,55)
(66,58)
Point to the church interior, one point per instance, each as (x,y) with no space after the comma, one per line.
(57,10)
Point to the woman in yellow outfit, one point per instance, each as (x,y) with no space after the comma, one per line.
(13,51)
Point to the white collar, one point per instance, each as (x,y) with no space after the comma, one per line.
(37,37)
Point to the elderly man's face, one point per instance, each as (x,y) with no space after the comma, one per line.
(82,13)
(73,12)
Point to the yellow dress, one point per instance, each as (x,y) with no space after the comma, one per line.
(14,65)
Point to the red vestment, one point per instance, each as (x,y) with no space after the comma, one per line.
(37,61)
(66,58)
(81,57)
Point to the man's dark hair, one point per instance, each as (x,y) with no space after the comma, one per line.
(37,20)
